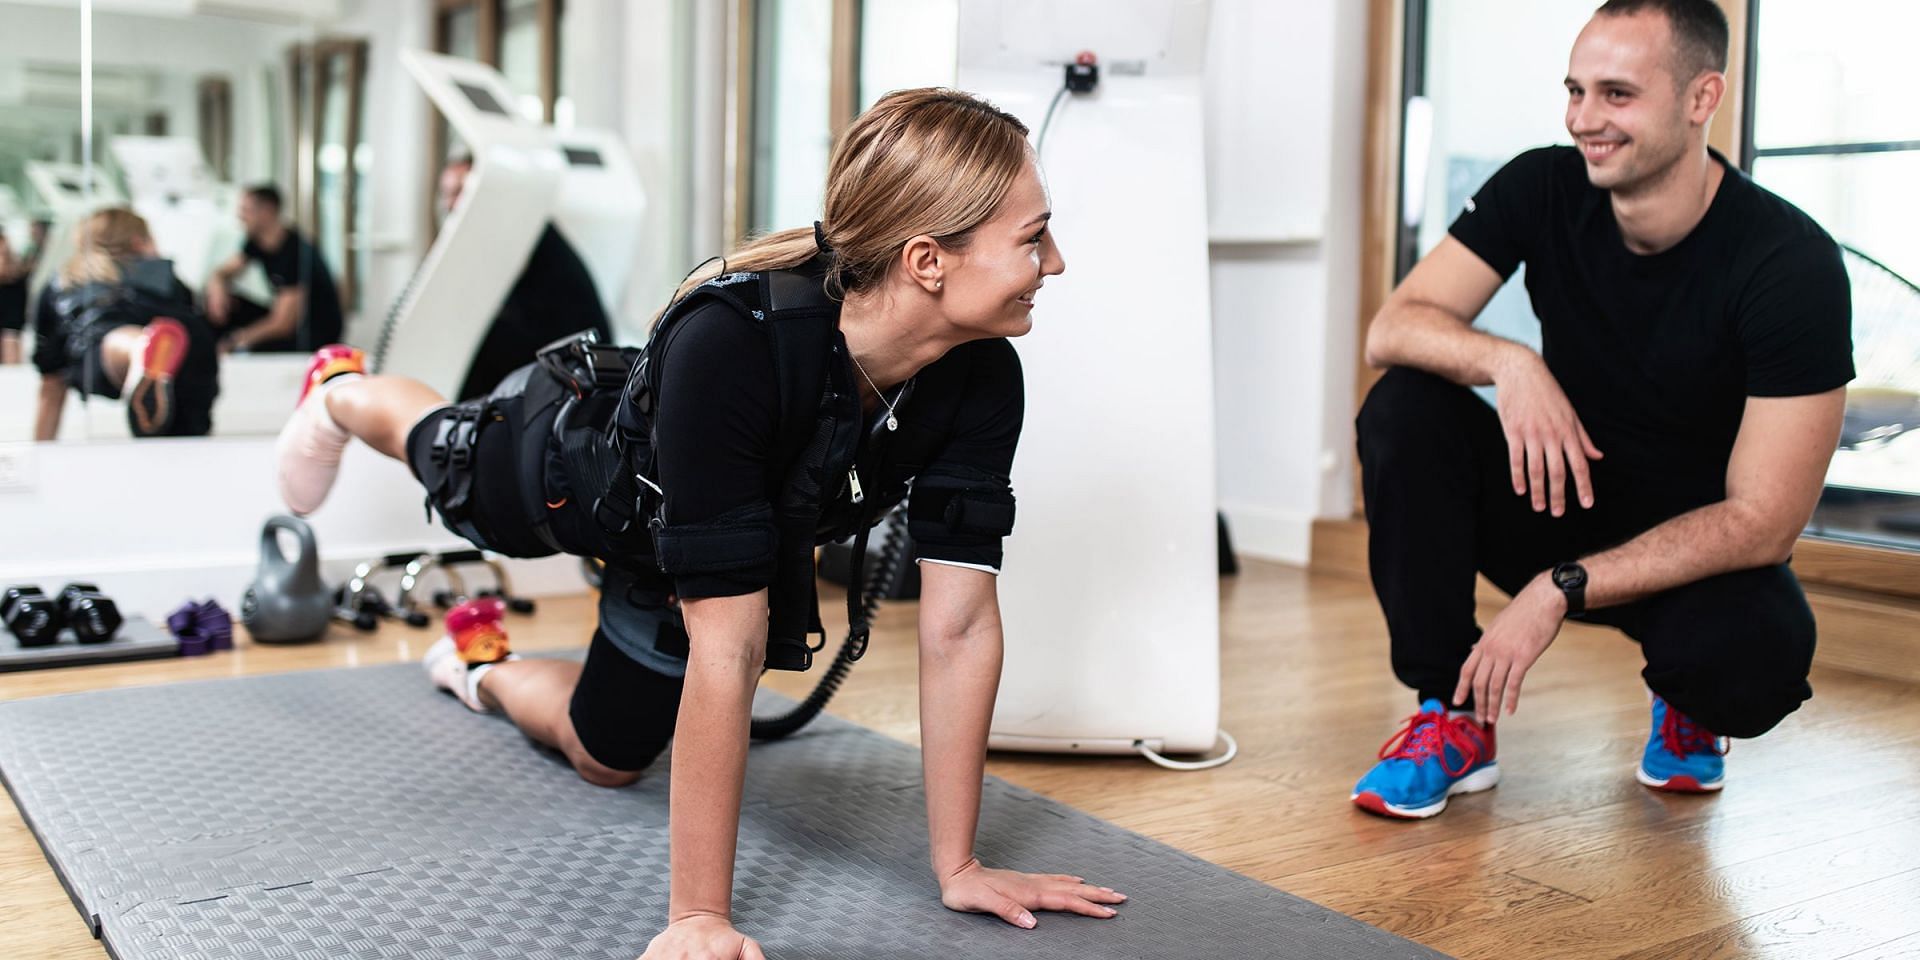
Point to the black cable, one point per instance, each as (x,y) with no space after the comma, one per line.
(1040,142)
(893,549)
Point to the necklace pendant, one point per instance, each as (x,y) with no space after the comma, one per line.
(892,423)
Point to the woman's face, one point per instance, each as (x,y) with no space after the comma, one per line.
(988,288)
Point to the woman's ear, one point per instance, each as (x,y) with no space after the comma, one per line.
(923,262)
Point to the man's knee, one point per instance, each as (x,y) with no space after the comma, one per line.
(1408,407)
(1733,652)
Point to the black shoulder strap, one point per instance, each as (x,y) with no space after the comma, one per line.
(800,320)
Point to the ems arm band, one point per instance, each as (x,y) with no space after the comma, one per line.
(937,513)
(740,539)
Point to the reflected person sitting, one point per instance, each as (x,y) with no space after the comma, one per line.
(116,323)
(305,313)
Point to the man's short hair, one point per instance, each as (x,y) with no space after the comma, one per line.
(1700,31)
(267,194)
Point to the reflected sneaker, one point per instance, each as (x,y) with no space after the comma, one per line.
(1434,756)
(473,644)
(1681,756)
(311,443)
(148,390)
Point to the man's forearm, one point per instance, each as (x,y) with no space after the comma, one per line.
(1425,337)
(279,324)
(959,676)
(1714,539)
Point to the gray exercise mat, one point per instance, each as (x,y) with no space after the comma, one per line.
(361,814)
(137,639)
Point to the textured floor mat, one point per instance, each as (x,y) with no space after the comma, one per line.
(360,814)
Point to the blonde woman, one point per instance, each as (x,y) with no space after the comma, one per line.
(117,323)
(893,314)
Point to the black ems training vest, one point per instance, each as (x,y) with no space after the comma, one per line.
(819,498)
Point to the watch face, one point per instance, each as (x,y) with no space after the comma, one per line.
(1569,576)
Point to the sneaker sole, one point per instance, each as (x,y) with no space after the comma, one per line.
(1680,784)
(151,401)
(1485,778)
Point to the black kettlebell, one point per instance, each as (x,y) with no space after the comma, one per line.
(31,616)
(92,615)
(287,603)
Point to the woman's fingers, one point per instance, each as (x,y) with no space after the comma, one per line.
(1010,910)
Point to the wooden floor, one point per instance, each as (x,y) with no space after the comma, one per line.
(1812,852)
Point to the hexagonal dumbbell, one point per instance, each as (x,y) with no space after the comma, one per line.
(31,616)
(92,615)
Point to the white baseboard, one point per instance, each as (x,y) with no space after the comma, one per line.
(1269,534)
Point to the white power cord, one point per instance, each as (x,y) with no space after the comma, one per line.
(1233,750)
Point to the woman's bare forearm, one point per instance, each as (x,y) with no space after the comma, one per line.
(728,645)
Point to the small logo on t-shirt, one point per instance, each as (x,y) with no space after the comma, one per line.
(1470,205)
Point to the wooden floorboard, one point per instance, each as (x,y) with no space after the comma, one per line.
(1810,852)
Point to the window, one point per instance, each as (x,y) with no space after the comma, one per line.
(1835,132)
(1467,114)
(795,91)
(332,162)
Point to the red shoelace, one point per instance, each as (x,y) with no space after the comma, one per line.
(1683,737)
(1428,735)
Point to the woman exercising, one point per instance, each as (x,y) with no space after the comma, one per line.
(818,376)
(117,323)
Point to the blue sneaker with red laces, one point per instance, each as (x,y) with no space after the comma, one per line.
(1434,756)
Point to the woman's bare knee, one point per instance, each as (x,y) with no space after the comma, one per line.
(601,775)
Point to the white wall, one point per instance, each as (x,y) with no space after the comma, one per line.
(190,527)
(1285,126)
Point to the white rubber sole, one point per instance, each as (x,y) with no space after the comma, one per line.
(1485,778)
(1688,784)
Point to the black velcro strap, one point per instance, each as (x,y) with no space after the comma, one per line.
(453,452)
(971,512)
(740,538)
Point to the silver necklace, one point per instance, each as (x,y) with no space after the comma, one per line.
(893,422)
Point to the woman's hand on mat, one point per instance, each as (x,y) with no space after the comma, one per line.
(702,937)
(1013,896)
(1546,444)
(1512,643)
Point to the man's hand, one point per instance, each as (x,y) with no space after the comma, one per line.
(1545,440)
(1013,896)
(1507,650)
(702,937)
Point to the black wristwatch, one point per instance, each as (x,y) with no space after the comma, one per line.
(1571,578)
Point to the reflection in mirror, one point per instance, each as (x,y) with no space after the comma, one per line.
(227,149)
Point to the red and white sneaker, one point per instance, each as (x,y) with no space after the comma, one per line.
(311,444)
(328,362)
(148,391)
(474,643)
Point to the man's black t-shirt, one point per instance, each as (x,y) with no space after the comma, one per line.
(554,296)
(1659,353)
(298,265)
